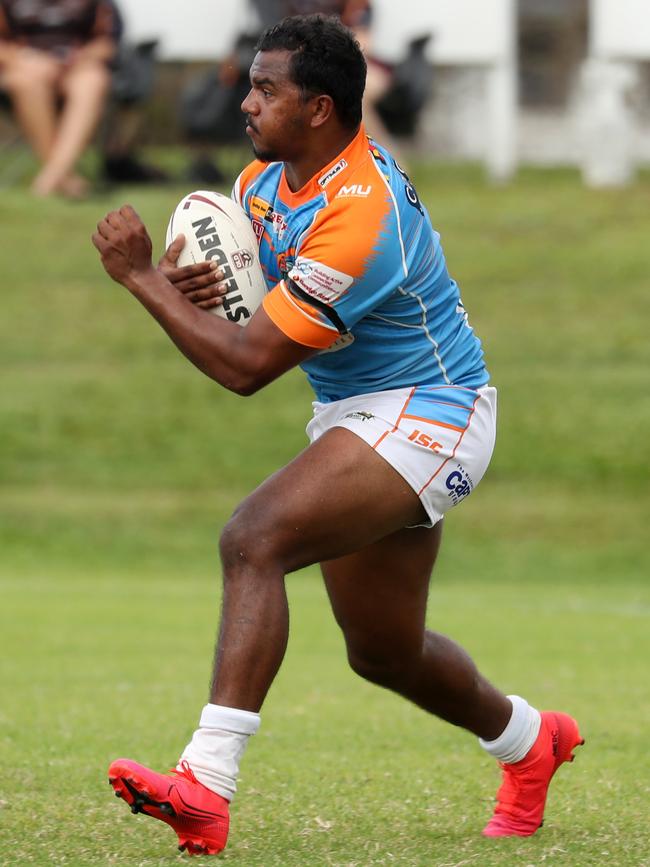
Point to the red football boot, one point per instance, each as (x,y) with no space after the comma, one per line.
(522,795)
(197,814)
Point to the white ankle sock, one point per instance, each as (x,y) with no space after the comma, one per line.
(217,746)
(519,735)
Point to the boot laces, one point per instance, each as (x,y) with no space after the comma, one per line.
(185,771)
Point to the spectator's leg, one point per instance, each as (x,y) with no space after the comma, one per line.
(84,88)
(31,79)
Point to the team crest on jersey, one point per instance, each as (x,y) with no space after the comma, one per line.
(258,228)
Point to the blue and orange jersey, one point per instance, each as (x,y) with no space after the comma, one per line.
(356,270)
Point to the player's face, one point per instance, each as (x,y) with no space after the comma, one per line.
(277,116)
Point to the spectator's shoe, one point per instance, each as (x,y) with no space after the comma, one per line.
(126,168)
(522,795)
(198,815)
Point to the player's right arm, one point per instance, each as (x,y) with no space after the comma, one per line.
(243,360)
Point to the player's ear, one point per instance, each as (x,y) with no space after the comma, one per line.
(323,109)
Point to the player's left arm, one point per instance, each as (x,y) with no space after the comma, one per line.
(243,360)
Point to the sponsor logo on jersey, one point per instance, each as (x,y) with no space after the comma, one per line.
(210,245)
(320,281)
(329,175)
(242,259)
(357,190)
(259,207)
(277,221)
(458,484)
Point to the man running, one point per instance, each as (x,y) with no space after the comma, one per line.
(403,429)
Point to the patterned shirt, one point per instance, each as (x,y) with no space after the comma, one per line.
(57,26)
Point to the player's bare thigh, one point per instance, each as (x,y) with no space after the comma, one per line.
(334,498)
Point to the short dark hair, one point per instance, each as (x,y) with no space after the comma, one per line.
(326,59)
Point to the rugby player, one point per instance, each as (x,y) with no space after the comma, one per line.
(403,430)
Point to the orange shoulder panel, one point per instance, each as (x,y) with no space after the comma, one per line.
(297,320)
(347,233)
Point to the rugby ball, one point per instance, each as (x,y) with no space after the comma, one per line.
(218,229)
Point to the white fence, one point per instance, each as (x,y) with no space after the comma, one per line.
(473,34)
(467,31)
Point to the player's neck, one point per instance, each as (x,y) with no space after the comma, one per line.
(299,171)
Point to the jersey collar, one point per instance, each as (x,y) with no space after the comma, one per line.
(331,177)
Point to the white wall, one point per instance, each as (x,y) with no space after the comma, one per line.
(187,29)
(620,29)
(479,33)
(473,31)
(465,31)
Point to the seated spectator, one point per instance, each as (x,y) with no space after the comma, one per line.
(55,58)
(357,15)
(210,105)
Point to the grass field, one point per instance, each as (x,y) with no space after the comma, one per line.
(119,463)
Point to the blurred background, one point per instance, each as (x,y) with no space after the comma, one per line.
(525,128)
(535,81)
(505,83)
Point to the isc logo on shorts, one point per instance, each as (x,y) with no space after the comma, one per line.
(425,440)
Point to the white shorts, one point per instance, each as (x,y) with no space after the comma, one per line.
(439,438)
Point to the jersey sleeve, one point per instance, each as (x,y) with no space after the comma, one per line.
(347,263)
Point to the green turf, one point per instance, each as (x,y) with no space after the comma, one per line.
(119,463)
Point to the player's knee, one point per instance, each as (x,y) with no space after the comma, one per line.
(247,542)
(235,543)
